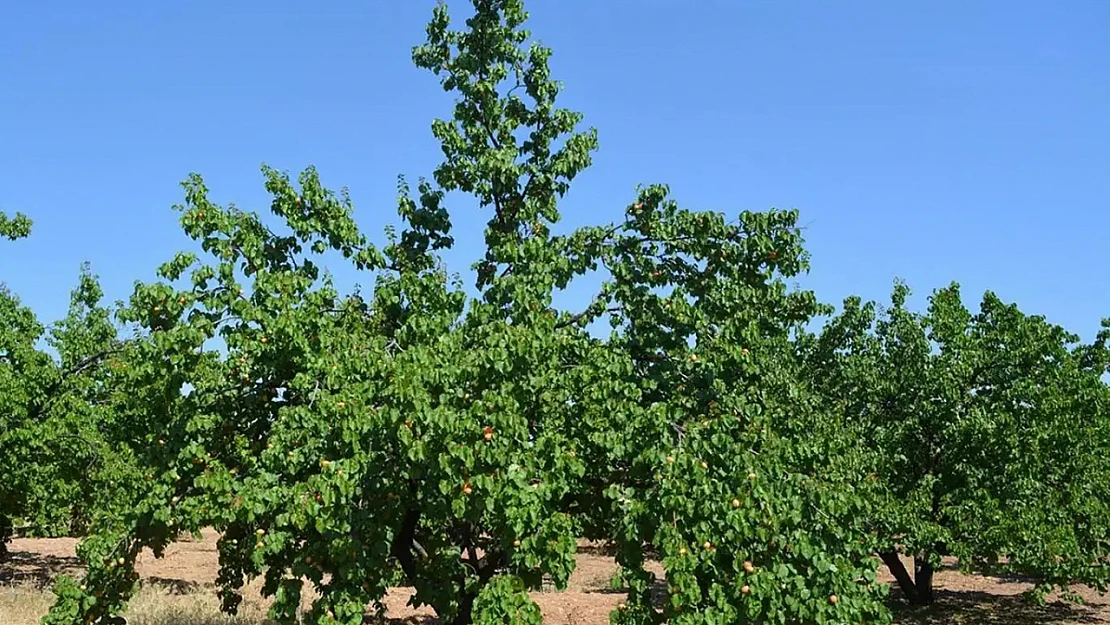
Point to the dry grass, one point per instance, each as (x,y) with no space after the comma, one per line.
(25,605)
(22,604)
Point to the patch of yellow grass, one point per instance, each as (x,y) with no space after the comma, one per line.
(25,605)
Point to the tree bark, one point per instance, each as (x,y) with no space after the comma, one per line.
(6,531)
(901,575)
(919,589)
(465,615)
(405,538)
(923,579)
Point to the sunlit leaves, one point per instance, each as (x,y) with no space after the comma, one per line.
(411,434)
(15,227)
(989,431)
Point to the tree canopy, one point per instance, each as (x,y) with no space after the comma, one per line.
(989,432)
(60,468)
(462,439)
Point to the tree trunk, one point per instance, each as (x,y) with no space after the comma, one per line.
(919,589)
(465,615)
(6,531)
(901,575)
(923,579)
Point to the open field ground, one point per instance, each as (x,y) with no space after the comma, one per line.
(179,590)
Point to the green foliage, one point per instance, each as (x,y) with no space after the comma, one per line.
(713,454)
(462,445)
(15,227)
(60,467)
(990,433)
(409,437)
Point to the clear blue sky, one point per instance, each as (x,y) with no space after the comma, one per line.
(933,141)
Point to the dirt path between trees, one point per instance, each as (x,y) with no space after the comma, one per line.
(179,590)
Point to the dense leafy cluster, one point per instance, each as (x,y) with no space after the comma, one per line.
(990,433)
(15,227)
(463,440)
(61,464)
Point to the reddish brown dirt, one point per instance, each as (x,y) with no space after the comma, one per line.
(189,568)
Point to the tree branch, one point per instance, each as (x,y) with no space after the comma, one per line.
(575,318)
(81,366)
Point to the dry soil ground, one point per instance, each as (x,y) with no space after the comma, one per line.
(179,590)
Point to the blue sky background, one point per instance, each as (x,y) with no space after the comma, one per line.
(932,141)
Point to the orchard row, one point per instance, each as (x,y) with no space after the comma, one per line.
(463,444)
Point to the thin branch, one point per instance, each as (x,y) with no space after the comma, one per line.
(80,367)
(575,318)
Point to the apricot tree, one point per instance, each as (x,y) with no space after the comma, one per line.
(413,436)
(990,432)
(462,445)
(60,467)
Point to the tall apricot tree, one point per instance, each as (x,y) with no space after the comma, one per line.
(990,432)
(463,445)
(353,442)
